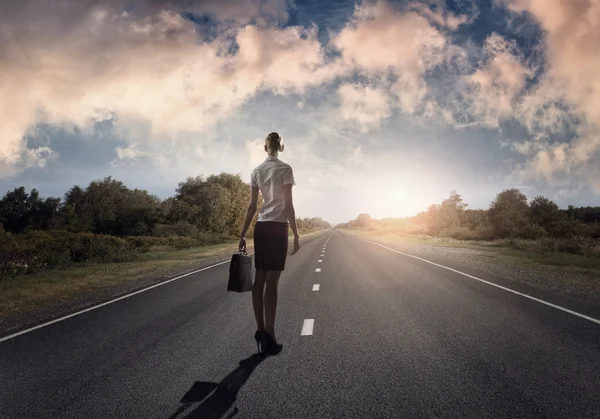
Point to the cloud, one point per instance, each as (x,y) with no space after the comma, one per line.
(547,162)
(498,82)
(441,16)
(38,157)
(241,11)
(166,83)
(364,105)
(382,39)
(130,152)
(255,151)
(92,61)
(568,95)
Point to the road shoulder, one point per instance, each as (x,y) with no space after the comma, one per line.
(569,288)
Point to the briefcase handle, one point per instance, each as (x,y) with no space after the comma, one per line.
(242,250)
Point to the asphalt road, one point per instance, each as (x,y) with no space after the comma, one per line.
(393,337)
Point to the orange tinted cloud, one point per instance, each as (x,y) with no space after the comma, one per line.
(572,50)
(74,70)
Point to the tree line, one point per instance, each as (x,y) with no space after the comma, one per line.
(510,216)
(215,204)
(109,222)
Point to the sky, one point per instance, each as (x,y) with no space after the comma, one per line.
(384,107)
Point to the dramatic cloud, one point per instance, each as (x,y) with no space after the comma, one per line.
(570,87)
(107,63)
(498,82)
(364,105)
(185,84)
(381,39)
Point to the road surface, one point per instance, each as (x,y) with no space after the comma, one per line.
(390,337)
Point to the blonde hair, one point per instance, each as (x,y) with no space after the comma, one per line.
(273,142)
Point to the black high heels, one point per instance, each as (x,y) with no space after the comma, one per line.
(271,345)
(261,343)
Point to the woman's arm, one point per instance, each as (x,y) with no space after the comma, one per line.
(290,213)
(250,213)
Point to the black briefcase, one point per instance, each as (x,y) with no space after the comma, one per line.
(240,273)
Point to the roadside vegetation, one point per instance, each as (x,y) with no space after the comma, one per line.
(511,221)
(106,222)
(57,254)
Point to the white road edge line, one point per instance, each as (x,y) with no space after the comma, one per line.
(566,310)
(307,327)
(318,270)
(31,329)
(316,287)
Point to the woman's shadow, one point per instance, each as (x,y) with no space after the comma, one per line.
(222,395)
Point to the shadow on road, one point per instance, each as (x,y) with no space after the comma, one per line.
(217,398)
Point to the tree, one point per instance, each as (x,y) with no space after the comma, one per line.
(217,203)
(107,206)
(543,211)
(138,214)
(509,213)
(432,221)
(20,211)
(451,211)
(76,213)
(239,197)
(364,220)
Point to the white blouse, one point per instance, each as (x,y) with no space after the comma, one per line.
(270,177)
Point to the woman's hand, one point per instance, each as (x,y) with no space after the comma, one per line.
(296,245)
(242,246)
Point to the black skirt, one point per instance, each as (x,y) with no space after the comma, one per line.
(270,245)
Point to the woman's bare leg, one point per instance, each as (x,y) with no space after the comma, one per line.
(272,282)
(258,289)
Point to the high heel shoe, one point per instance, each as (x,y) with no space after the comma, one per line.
(271,345)
(261,344)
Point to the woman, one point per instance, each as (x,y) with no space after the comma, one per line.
(274,179)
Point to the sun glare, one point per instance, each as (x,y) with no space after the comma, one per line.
(397,194)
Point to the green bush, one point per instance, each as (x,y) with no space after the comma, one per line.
(180,228)
(594,230)
(38,250)
(459,233)
(147,243)
(481,233)
(568,228)
(531,232)
(583,246)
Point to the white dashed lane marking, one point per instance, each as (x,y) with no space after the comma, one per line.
(320,260)
(307,327)
(316,287)
(318,270)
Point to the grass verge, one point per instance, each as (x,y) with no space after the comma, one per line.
(522,252)
(28,292)
(25,293)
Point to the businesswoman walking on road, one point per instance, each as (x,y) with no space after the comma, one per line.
(274,179)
